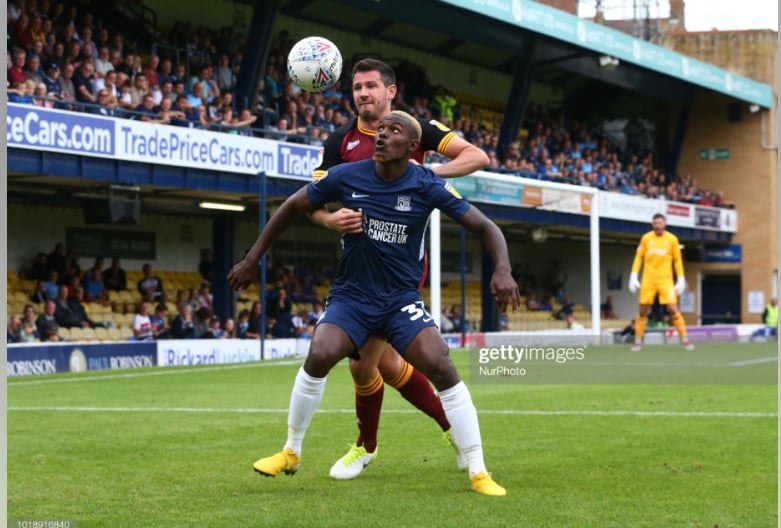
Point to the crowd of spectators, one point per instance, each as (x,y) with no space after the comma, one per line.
(61,55)
(65,292)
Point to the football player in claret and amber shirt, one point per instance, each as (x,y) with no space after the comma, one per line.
(374,88)
(659,254)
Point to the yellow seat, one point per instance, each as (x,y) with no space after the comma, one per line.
(114,334)
(64,333)
(88,334)
(125,332)
(77,333)
(101,333)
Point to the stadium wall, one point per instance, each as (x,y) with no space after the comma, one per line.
(750,176)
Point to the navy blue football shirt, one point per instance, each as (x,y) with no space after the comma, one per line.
(387,257)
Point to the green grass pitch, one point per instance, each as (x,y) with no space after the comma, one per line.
(175,447)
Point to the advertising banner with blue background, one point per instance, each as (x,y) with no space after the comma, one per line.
(39,359)
(31,127)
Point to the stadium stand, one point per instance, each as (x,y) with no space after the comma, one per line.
(190,74)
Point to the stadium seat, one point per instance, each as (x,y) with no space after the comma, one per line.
(114,334)
(77,333)
(101,333)
(88,334)
(125,332)
(64,333)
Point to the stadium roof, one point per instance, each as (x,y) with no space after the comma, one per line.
(449,28)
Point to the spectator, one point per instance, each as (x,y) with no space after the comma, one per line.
(14,334)
(317,312)
(205,297)
(279,306)
(28,333)
(114,278)
(103,63)
(67,86)
(150,287)
(445,321)
(53,284)
(18,94)
(229,329)
(243,324)
(139,90)
(166,74)
(16,73)
(150,71)
(58,55)
(608,312)
(146,111)
(459,323)
(159,320)
(28,314)
(34,69)
(142,324)
(103,107)
(572,324)
(83,83)
(254,325)
(41,98)
(214,331)
(183,326)
(93,286)
(283,327)
(567,308)
(46,323)
(40,295)
(223,74)
(52,81)
(69,312)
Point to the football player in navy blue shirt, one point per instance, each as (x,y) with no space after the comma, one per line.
(376,288)
(374,89)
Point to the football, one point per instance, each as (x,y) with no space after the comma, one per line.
(314,64)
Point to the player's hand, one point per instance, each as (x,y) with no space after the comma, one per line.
(634,283)
(345,221)
(680,286)
(505,290)
(243,274)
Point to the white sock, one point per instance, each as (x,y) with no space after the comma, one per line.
(304,400)
(464,427)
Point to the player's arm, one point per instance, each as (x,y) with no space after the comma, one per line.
(680,281)
(246,271)
(634,282)
(343,220)
(503,286)
(464,158)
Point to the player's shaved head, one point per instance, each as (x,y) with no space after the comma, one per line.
(411,124)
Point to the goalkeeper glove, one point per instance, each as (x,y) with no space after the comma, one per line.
(680,286)
(634,283)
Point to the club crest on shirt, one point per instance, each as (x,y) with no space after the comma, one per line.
(403,203)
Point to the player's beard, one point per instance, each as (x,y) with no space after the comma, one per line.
(375,111)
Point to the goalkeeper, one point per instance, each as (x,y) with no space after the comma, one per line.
(658,253)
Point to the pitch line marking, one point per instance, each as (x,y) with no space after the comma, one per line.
(168,371)
(757,361)
(164,371)
(519,412)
